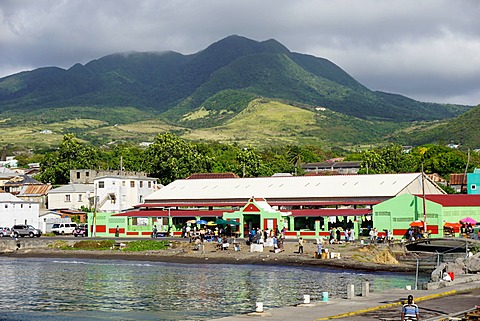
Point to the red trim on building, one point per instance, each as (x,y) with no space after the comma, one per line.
(307,233)
(173,213)
(132,233)
(331,212)
(243,202)
(101,228)
(323,233)
(251,208)
(290,233)
(147,233)
(400,232)
(113,230)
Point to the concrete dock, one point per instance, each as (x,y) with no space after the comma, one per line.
(352,308)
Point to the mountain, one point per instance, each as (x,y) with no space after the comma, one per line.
(206,89)
(462,130)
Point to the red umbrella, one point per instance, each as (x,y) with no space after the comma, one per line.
(454,225)
(468,220)
(417,223)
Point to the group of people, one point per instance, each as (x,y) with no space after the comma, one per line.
(336,235)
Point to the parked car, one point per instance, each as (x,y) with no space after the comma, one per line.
(63,228)
(5,231)
(25,230)
(81,230)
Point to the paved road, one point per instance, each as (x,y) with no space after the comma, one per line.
(429,309)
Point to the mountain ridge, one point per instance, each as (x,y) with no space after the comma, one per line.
(220,80)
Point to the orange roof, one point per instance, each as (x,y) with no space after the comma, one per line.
(458,179)
(36,189)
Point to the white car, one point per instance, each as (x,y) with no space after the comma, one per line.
(5,231)
(63,228)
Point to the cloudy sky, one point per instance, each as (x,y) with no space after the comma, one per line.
(428,50)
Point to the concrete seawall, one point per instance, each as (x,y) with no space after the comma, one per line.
(9,245)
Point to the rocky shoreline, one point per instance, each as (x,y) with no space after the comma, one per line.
(351,256)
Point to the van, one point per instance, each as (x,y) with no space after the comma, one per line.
(63,228)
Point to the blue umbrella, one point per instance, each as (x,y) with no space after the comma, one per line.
(201,222)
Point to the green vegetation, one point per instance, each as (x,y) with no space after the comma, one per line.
(169,158)
(145,245)
(84,245)
(213,95)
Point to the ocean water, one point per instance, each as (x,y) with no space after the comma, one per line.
(88,289)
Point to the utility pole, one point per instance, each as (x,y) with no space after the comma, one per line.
(424,203)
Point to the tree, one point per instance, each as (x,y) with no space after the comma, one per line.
(170,158)
(249,163)
(71,154)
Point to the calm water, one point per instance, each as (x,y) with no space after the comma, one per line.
(81,289)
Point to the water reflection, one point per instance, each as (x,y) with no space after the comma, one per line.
(98,289)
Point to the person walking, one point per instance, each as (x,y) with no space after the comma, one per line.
(410,310)
(300,245)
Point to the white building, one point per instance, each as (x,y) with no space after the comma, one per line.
(72,196)
(116,193)
(16,211)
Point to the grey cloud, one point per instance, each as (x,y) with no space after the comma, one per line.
(419,49)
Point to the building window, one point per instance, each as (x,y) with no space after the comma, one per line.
(149,184)
(132,183)
(141,184)
(473,187)
(21,205)
(67,198)
(87,174)
(123,183)
(141,199)
(101,184)
(78,175)
(6,205)
(80,197)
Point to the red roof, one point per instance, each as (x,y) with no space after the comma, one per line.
(242,203)
(454,199)
(331,212)
(173,213)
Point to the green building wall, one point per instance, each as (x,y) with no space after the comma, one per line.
(397,213)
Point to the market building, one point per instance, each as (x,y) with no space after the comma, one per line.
(305,205)
(400,213)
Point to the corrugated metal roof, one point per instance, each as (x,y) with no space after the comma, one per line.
(35,190)
(73,188)
(174,213)
(212,175)
(458,179)
(299,187)
(454,199)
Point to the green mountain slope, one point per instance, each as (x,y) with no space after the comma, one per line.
(207,89)
(463,130)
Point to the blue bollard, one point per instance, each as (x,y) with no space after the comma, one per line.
(324,296)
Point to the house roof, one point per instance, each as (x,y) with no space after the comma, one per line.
(212,175)
(332,165)
(73,188)
(307,188)
(9,198)
(454,200)
(21,180)
(141,178)
(458,179)
(35,190)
